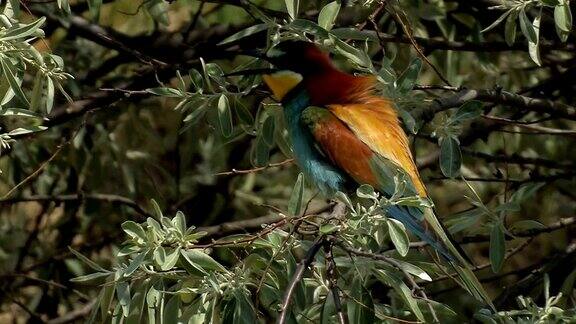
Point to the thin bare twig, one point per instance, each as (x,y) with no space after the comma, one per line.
(297,277)
(333,281)
(271,165)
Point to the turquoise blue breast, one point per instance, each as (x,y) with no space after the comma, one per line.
(314,165)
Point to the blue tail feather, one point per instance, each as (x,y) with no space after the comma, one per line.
(413,219)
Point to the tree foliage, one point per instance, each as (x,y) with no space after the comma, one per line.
(144,181)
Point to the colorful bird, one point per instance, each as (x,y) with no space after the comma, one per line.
(343,134)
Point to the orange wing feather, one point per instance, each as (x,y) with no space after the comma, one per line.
(376,124)
(344,148)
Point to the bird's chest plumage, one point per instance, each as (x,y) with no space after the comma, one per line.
(311,161)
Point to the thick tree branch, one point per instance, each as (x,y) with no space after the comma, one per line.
(497,97)
(76,197)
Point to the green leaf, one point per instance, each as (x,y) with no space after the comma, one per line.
(134,264)
(196,79)
(106,297)
(393,281)
(64,5)
(497,21)
(260,152)
(17,112)
(243,113)
(328,15)
(295,202)
(225,116)
(90,278)
(469,110)
(171,310)
(268,131)
(156,209)
(37,92)
(497,247)
(527,27)
(165,92)
(307,26)
(510,28)
(415,270)
(328,309)
(24,31)
(408,78)
(356,56)
(202,260)
(328,228)
(450,156)
(563,17)
(123,294)
(399,236)
(194,117)
(88,262)
(354,34)
(525,192)
(49,94)
(533,47)
(365,191)
(134,230)
(244,311)
(526,225)
(567,288)
(179,222)
(26,130)
(7,69)
(94,8)
(245,33)
(360,306)
(292,8)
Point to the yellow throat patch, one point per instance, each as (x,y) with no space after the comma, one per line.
(282,82)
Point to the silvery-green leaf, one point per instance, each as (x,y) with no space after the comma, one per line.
(49,94)
(244,33)
(134,230)
(225,116)
(123,294)
(497,21)
(450,157)
(24,31)
(563,16)
(469,110)
(510,28)
(533,47)
(90,278)
(527,27)
(292,7)
(399,236)
(328,15)
(295,202)
(497,247)
(408,78)
(8,71)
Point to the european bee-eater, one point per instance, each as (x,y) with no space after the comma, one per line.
(343,133)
